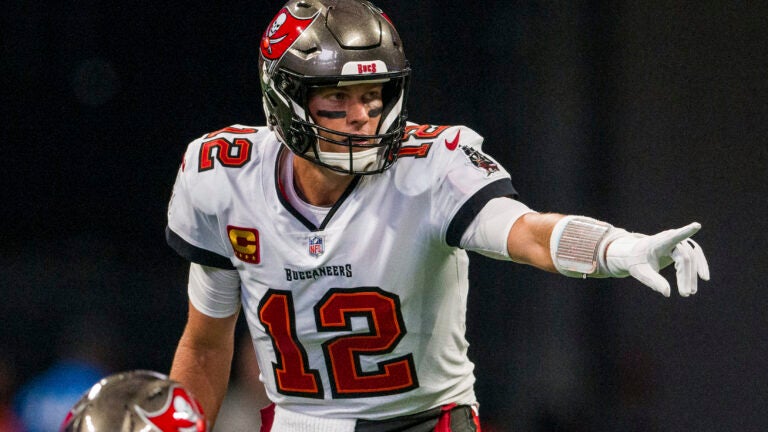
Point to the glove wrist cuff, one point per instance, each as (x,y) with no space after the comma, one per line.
(620,243)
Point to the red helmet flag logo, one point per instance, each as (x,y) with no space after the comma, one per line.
(281,33)
(181,413)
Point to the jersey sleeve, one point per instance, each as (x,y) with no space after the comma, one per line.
(467,180)
(193,229)
(213,291)
(489,231)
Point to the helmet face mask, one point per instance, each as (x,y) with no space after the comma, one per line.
(317,43)
(136,401)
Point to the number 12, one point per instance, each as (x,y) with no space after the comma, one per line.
(333,313)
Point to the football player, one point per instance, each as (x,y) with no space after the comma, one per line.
(135,401)
(340,231)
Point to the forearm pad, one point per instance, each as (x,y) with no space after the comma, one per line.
(578,244)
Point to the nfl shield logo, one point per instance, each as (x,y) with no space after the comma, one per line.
(316,246)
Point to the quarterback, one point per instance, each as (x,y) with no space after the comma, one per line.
(340,231)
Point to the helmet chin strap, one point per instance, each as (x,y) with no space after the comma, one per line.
(361,160)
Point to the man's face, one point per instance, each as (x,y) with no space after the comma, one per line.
(354,109)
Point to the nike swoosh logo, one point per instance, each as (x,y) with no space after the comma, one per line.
(451,145)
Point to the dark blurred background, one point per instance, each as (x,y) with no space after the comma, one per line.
(647,114)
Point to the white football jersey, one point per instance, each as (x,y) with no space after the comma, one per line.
(366,309)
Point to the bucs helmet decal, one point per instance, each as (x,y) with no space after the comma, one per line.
(180,412)
(282,32)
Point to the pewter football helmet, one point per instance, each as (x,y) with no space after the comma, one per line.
(314,43)
(136,401)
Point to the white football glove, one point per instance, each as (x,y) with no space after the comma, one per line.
(642,257)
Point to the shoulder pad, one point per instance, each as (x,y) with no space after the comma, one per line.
(230,147)
(420,140)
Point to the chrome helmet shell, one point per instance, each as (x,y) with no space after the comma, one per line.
(316,43)
(136,401)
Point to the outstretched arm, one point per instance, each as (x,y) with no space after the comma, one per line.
(577,246)
(203,358)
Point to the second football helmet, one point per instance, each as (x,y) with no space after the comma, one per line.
(136,401)
(316,43)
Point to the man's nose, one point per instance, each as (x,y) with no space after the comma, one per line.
(357,112)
